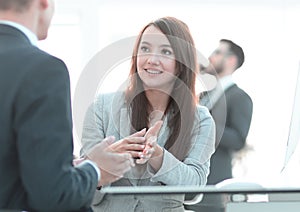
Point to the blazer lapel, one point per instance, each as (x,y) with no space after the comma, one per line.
(125,123)
(125,126)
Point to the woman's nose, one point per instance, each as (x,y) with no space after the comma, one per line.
(154,59)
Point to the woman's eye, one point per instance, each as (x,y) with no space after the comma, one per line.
(145,49)
(166,52)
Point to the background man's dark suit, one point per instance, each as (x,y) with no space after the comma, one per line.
(36,131)
(234,111)
(231,109)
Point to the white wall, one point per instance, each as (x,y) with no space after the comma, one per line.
(267,30)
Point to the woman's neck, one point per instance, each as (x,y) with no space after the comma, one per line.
(158,99)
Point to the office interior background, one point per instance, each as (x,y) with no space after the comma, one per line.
(267,30)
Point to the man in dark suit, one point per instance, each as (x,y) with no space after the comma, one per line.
(36,161)
(231,108)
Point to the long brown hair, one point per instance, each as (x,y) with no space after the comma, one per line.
(183,100)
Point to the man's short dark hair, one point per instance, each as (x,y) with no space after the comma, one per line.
(236,50)
(17,5)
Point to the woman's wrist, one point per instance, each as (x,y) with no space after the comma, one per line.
(158,151)
(157,158)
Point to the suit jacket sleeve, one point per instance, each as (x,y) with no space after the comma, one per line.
(92,134)
(239,114)
(43,127)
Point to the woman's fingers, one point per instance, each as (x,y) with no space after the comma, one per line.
(129,145)
(134,140)
(154,130)
(140,144)
(140,133)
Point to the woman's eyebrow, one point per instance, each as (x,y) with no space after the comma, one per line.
(162,45)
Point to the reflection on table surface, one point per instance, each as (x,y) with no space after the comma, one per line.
(251,189)
(234,198)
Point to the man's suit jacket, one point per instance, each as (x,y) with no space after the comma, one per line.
(232,114)
(36,131)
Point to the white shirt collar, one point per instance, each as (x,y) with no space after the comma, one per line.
(226,82)
(223,84)
(29,34)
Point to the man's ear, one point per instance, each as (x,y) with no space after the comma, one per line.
(232,61)
(44,4)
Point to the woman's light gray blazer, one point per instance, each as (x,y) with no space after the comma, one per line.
(109,116)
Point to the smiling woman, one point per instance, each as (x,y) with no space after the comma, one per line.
(175,150)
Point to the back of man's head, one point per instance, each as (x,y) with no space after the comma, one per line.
(236,50)
(16,5)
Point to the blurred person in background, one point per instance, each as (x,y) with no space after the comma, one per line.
(231,108)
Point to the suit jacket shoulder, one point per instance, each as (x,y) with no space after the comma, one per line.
(235,91)
(37,135)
